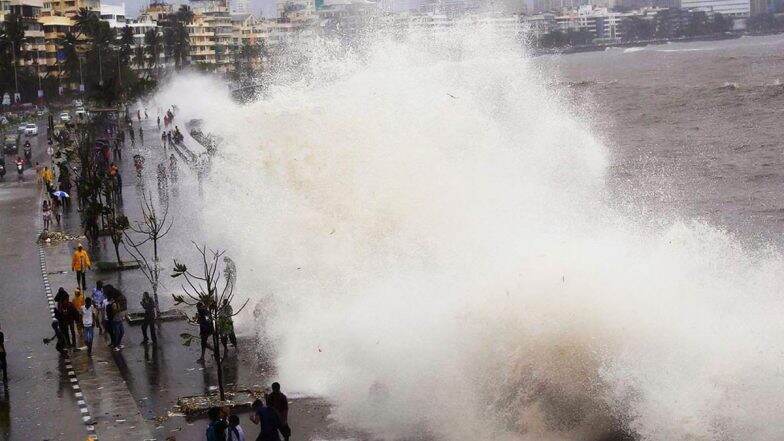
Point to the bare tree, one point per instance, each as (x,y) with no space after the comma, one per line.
(205,288)
(152,228)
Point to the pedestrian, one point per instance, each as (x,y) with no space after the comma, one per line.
(132,135)
(169,137)
(98,303)
(205,327)
(146,117)
(80,263)
(38,175)
(117,309)
(88,319)
(235,432)
(46,208)
(159,122)
(141,135)
(278,401)
(148,305)
(66,315)
(163,139)
(3,360)
(78,303)
(138,115)
(56,209)
(268,419)
(59,336)
(61,313)
(216,430)
(226,326)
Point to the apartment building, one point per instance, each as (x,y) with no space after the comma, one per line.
(69,8)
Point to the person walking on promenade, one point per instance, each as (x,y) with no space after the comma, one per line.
(163,139)
(88,319)
(216,430)
(278,401)
(226,326)
(141,135)
(56,209)
(205,328)
(46,208)
(59,336)
(98,303)
(80,262)
(78,303)
(62,313)
(148,305)
(159,122)
(116,309)
(268,419)
(132,135)
(235,432)
(3,360)
(47,175)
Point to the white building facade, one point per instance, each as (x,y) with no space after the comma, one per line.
(730,8)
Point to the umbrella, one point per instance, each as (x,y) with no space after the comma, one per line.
(60,194)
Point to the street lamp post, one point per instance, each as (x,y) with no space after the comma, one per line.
(81,77)
(16,80)
(100,67)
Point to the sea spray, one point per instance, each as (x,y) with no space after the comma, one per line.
(425,230)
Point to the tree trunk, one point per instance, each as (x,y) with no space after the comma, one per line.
(217,354)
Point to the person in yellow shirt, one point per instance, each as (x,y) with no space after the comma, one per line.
(80,263)
(78,303)
(48,176)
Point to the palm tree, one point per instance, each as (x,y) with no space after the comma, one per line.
(69,60)
(126,45)
(86,22)
(139,56)
(154,43)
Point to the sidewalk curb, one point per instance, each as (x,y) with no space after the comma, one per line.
(84,412)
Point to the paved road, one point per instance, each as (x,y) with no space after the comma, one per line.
(39,403)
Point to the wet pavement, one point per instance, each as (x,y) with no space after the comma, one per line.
(129,394)
(39,402)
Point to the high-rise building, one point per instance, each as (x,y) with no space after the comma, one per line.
(33,50)
(730,8)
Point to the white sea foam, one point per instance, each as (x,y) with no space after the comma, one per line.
(425,231)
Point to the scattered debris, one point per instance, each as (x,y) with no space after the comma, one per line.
(54,237)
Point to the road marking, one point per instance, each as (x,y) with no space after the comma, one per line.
(83,410)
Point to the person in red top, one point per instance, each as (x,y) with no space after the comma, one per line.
(280,403)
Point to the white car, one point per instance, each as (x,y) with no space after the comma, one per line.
(31,129)
(21,128)
(80,113)
(78,103)
(65,117)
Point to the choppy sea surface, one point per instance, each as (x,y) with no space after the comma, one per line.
(695,129)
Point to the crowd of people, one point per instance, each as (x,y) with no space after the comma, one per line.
(76,317)
(77,314)
(271,414)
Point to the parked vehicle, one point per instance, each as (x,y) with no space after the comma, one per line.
(11,144)
(65,117)
(80,112)
(31,129)
(21,128)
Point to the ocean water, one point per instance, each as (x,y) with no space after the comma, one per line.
(447,239)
